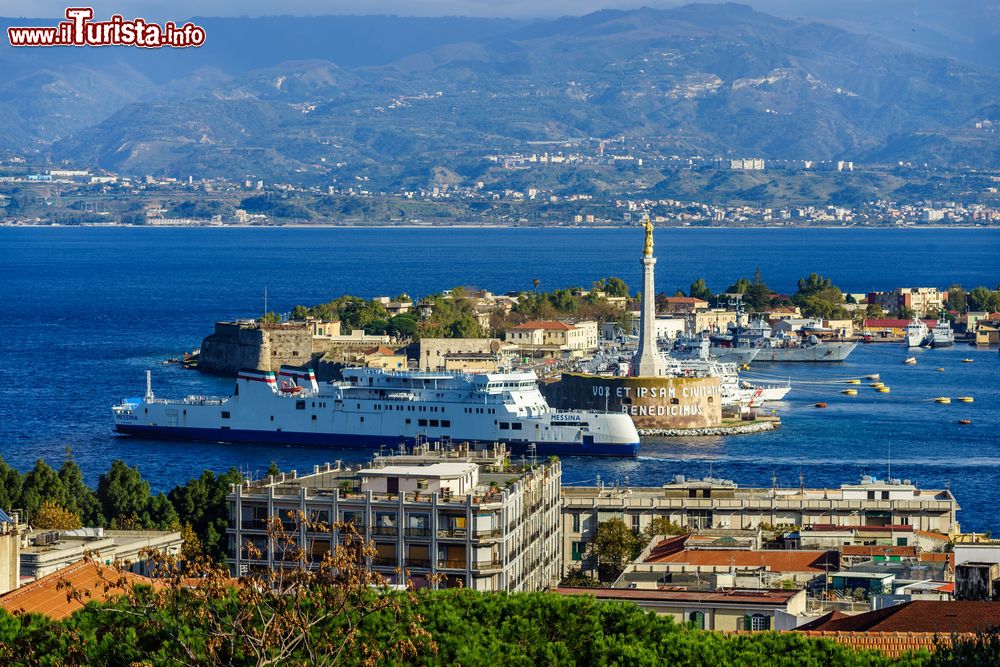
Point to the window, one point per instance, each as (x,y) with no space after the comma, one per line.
(407,421)
(504,426)
(434,423)
(697,619)
(225,414)
(576,522)
(516,426)
(635,522)
(446,423)
(579,550)
(314,417)
(900,541)
(300,405)
(756,622)
(421,422)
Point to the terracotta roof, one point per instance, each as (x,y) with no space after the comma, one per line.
(878,550)
(380,349)
(774,560)
(666,547)
(916,616)
(43,596)
(892,644)
(769,596)
(550,325)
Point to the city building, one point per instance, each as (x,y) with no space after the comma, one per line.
(681,305)
(10,551)
(46,551)
(722,505)
(923,301)
(552,339)
(713,319)
(464,354)
(437,517)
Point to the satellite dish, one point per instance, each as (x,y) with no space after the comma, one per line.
(494,346)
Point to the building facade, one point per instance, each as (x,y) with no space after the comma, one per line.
(437,518)
(720,504)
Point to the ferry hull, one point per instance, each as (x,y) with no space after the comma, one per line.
(821,352)
(355,441)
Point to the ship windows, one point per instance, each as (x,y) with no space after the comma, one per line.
(516,426)
(314,417)
(504,426)
(225,414)
(407,422)
(362,419)
(300,405)
(421,422)
(434,423)
(446,423)
(272,417)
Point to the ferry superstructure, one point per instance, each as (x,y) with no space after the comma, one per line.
(370,408)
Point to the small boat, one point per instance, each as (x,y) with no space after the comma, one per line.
(966,399)
(964,421)
(910,360)
(943,400)
(850,392)
(855,381)
(883,390)
(820,405)
(877,385)
(873,376)
(967,361)
(940,370)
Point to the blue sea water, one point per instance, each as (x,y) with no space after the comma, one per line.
(88,310)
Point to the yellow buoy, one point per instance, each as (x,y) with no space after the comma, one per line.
(877,385)
(942,399)
(850,392)
(966,399)
(884,390)
(854,381)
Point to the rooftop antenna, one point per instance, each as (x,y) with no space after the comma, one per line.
(774,479)
(889,471)
(802,480)
(265,299)
(149,385)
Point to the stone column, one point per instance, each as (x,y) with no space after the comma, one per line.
(647,361)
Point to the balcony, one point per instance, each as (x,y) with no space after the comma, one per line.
(487,565)
(418,532)
(451,564)
(384,561)
(378,531)
(458,533)
(424,563)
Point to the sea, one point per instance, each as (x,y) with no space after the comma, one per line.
(86,311)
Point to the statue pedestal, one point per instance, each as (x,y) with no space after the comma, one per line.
(647,361)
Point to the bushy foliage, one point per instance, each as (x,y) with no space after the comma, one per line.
(448,627)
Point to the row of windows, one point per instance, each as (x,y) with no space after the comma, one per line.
(505,426)
(445,423)
(480,411)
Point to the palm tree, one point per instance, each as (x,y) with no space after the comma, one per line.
(536,282)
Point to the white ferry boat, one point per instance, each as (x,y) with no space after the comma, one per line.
(916,332)
(372,407)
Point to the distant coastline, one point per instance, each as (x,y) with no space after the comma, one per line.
(466,225)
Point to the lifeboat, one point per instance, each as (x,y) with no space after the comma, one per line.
(910,360)
(287,388)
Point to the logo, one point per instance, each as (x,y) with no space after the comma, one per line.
(79,29)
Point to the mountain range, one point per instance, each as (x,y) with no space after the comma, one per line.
(321,98)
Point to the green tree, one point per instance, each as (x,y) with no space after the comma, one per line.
(300,313)
(957,299)
(758,294)
(700,290)
(661,525)
(42,483)
(614,545)
(80,498)
(124,495)
(739,287)
(983,299)
(819,297)
(10,487)
(270,317)
(612,286)
(874,311)
(202,504)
